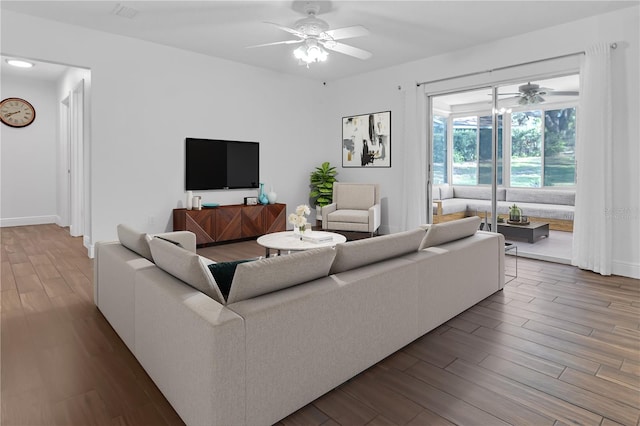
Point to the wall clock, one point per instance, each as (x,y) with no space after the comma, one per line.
(16,112)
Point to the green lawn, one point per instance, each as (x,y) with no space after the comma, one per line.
(525,172)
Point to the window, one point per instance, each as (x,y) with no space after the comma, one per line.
(560,147)
(439,150)
(465,151)
(543,155)
(484,150)
(472,150)
(526,145)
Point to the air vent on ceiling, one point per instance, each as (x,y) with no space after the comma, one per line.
(124,11)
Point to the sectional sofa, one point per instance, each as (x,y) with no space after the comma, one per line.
(554,206)
(289,328)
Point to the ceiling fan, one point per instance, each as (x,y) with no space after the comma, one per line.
(315,36)
(529,94)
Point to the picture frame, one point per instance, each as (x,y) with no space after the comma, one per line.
(366,140)
(250,201)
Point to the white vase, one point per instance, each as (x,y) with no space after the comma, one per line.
(272,197)
(189,200)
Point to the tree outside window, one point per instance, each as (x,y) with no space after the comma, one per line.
(465,151)
(560,147)
(526,145)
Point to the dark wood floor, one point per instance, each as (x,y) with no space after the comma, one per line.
(557,346)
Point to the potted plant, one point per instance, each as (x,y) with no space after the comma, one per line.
(322,179)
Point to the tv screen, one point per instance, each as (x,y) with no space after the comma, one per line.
(220,164)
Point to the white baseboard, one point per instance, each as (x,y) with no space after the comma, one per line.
(29,220)
(626,269)
(86,241)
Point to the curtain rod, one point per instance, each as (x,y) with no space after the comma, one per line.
(506,67)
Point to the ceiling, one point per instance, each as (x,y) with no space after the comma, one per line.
(41,70)
(401,31)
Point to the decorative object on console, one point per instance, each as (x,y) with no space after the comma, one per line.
(366,140)
(322,180)
(299,219)
(210,205)
(262,197)
(197,202)
(250,201)
(189,205)
(272,196)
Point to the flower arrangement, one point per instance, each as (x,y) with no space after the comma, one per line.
(299,218)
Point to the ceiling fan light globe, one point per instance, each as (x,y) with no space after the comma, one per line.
(300,53)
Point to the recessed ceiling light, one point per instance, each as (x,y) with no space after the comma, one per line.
(19,63)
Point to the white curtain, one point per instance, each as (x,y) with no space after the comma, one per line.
(592,228)
(414,164)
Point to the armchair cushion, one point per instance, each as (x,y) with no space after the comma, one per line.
(355,196)
(357,216)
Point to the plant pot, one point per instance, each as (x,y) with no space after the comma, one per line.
(319,213)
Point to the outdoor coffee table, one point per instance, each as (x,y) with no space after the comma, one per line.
(288,241)
(530,232)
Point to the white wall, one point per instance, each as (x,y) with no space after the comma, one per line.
(146,98)
(28,172)
(377,91)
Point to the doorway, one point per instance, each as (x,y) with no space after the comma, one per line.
(534,144)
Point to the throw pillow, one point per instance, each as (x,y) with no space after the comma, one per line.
(440,233)
(134,241)
(355,254)
(223,273)
(276,273)
(186,266)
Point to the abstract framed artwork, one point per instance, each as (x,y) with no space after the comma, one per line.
(366,140)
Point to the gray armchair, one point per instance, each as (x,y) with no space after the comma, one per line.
(355,207)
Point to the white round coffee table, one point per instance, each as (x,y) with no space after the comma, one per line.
(289,241)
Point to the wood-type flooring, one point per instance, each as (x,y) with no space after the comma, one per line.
(557,346)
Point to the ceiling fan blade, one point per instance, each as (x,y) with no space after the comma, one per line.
(563,93)
(274,43)
(346,32)
(287,29)
(347,50)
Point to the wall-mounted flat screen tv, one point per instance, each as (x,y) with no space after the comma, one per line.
(221,164)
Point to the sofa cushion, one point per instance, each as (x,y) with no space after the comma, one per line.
(355,196)
(134,241)
(435,192)
(186,266)
(542,196)
(355,254)
(440,233)
(223,273)
(478,192)
(454,205)
(446,192)
(276,273)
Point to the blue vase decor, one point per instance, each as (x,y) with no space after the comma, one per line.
(263,197)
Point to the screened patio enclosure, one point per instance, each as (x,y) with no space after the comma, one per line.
(533,143)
